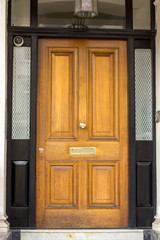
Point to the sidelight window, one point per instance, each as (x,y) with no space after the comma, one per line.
(143,94)
(21,93)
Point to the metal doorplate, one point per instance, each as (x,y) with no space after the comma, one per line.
(83,151)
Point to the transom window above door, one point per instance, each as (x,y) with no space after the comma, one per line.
(112,14)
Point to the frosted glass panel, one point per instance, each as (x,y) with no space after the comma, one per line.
(141,14)
(21,93)
(20,13)
(143,94)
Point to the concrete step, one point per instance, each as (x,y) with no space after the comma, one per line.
(98,234)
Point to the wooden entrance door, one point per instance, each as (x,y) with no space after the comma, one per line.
(82,134)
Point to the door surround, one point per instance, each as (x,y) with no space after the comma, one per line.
(135,39)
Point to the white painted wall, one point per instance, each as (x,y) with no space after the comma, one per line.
(3,58)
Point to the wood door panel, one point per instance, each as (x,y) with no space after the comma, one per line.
(62,184)
(62,96)
(103,184)
(82,80)
(104,99)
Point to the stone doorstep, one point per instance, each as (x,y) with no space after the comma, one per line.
(84,234)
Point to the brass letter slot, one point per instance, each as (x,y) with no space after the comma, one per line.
(83,151)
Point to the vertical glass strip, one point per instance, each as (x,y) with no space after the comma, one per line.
(143,95)
(141,14)
(21,93)
(20,15)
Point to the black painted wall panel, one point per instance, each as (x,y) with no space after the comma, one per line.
(20,183)
(144,216)
(19,217)
(144,184)
(144,151)
(20,150)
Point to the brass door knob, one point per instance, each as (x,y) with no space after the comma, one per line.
(82,125)
(41,150)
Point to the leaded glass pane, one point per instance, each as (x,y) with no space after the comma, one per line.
(143,94)
(21,93)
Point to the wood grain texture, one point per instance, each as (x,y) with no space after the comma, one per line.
(104,90)
(103,184)
(62,104)
(82,191)
(62,185)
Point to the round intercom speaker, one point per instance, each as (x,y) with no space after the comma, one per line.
(18,41)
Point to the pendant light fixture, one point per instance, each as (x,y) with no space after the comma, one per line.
(86,8)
